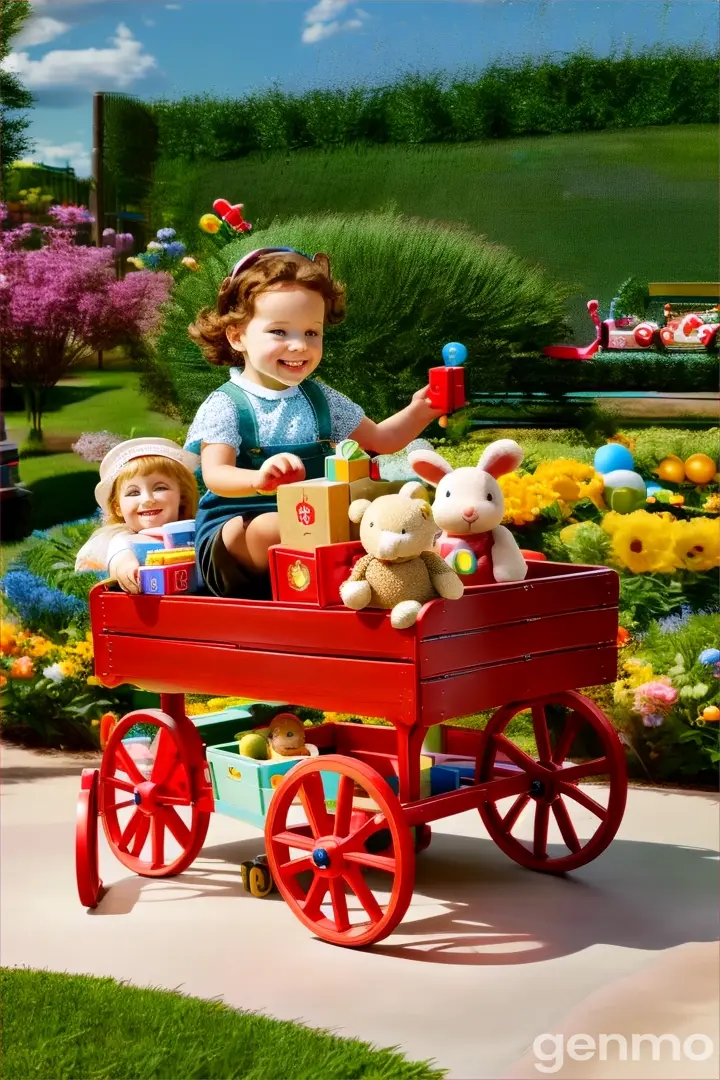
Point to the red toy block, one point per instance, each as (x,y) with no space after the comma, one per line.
(447,388)
(168,580)
(312,577)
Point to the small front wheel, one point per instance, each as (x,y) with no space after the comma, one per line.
(348,872)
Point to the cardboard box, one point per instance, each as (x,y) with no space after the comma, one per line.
(337,468)
(312,577)
(314,513)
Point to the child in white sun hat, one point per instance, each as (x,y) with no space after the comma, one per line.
(144,484)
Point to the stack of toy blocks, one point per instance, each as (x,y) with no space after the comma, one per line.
(168,565)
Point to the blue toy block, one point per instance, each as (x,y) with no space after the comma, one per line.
(168,580)
(443,780)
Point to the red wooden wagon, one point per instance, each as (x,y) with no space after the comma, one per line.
(345,861)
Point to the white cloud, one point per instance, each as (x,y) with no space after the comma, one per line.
(149,22)
(173,7)
(85,69)
(323,21)
(75,154)
(40,30)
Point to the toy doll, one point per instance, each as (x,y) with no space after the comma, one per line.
(144,484)
(271,423)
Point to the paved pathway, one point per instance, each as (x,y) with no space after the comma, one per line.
(489,956)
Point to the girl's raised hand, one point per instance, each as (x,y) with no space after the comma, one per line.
(280,469)
(421,404)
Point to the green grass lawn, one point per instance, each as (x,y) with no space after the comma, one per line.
(73,1027)
(592,208)
(87,400)
(92,400)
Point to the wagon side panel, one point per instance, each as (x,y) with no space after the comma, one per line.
(365,687)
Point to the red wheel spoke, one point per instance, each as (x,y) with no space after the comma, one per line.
(339,904)
(375,862)
(514,812)
(176,825)
(166,757)
(362,890)
(575,773)
(141,835)
(584,800)
(126,763)
(295,840)
(296,866)
(173,800)
(130,829)
(315,896)
(517,756)
(157,839)
(312,797)
(567,738)
(565,825)
(343,806)
(121,785)
(540,833)
(357,840)
(121,805)
(542,735)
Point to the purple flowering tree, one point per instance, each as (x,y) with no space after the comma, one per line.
(61,302)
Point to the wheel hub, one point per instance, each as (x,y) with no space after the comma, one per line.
(327,856)
(144,797)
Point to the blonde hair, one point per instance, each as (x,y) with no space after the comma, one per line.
(143,466)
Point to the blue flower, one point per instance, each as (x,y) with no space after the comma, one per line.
(37,603)
(166,234)
(176,249)
(152,260)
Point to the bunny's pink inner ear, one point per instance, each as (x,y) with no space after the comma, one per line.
(429,465)
(500,457)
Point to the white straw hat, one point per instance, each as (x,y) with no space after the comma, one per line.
(115,461)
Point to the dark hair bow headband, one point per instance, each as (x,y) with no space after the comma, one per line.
(252,257)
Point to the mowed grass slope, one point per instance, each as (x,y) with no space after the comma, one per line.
(71,1026)
(593,208)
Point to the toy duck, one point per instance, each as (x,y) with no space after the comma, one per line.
(287,737)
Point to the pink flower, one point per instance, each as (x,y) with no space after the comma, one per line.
(655,698)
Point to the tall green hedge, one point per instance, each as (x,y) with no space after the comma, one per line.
(411,287)
(526,97)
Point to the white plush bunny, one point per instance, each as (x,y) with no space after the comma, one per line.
(469,507)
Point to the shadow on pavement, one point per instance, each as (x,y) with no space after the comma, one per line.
(488,911)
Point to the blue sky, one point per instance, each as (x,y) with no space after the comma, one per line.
(154,48)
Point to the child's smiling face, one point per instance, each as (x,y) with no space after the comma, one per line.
(149,501)
(282,341)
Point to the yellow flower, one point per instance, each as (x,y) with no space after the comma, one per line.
(68,668)
(3,680)
(525,498)
(210,223)
(572,481)
(39,646)
(697,543)
(712,504)
(643,543)
(190,263)
(8,640)
(93,680)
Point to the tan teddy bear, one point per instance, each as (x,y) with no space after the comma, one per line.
(400,571)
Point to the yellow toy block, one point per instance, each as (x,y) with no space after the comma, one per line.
(170,556)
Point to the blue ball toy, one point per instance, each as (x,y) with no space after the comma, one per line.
(709,656)
(611,457)
(454,354)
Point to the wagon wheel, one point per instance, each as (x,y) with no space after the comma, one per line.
(89,885)
(155,795)
(582,823)
(332,849)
